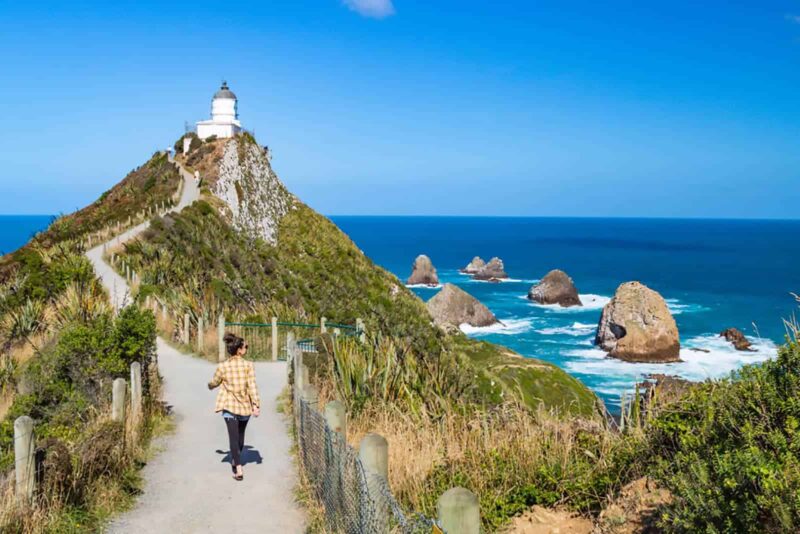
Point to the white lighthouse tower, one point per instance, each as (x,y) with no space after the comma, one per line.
(224,115)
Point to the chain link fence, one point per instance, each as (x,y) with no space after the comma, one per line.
(355,500)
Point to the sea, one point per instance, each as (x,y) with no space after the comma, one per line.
(714,274)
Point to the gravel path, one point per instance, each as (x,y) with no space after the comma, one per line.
(188,485)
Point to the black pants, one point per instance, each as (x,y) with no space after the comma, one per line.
(236,430)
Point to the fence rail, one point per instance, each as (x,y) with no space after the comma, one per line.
(268,341)
(352,485)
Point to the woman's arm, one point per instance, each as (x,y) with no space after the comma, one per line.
(217,380)
(252,390)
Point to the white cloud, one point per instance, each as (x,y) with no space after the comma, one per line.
(376,9)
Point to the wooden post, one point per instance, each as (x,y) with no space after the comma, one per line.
(136,392)
(322,327)
(311,395)
(186,325)
(301,380)
(221,336)
(362,334)
(459,511)
(274,339)
(119,391)
(336,417)
(374,454)
(24,465)
(200,330)
(289,355)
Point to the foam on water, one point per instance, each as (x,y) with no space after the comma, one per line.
(577,329)
(676,307)
(508,327)
(696,365)
(424,286)
(589,302)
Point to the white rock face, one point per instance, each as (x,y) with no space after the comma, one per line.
(256,199)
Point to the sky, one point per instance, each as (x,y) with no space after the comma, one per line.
(399,107)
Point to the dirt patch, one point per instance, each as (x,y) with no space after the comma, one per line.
(635,510)
(540,520)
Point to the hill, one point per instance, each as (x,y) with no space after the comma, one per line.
(254,250)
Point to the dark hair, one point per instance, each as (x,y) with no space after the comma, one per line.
(233,343)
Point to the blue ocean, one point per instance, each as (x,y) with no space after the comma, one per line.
(714,274)
(16,230)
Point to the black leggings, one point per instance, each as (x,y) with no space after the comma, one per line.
(236,430)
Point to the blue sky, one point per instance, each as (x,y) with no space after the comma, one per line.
(398,107)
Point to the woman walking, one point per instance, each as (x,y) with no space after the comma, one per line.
(237,398)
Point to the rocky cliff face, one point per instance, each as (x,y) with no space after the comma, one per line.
(637,326)
(255,199)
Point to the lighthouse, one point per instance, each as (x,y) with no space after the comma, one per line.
(224,115)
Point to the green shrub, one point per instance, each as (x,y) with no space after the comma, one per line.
(730,451)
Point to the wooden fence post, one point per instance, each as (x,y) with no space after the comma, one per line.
(336,417)
(119,391)
(362,335)
(459,511)
(221,336)
(373,451)
(200,329)
(322,327)
(274,339)
(136,392)
(186,325)
(24,464)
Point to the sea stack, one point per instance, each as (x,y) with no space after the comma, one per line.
(423,272)
(735,336)
(637,326)
(555,288)
(492,271)
(474,266)
(452,307)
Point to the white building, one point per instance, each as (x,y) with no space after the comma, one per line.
(224,115)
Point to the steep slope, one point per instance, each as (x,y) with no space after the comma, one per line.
(254,250)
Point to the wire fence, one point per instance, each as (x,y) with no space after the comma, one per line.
(261,336)
(355,500)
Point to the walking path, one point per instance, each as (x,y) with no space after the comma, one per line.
(188,486)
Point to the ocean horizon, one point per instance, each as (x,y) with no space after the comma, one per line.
(713,273)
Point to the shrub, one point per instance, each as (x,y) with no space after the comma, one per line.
(730,451)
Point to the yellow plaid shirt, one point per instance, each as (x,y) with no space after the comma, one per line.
(239,393)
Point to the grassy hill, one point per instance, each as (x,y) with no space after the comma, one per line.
(216,255)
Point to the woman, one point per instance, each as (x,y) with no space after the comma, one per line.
(238,398)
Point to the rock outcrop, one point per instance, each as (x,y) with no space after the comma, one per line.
(255,199)
(735,336)
(423,272)
(474,266)
(452,306)
(494,270)
(637,326)
(555,288)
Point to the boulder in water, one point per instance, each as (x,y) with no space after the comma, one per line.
(474,266)
(423,272)
(452,306)
(493,269)
(735,336)
(637,326)
(555,288)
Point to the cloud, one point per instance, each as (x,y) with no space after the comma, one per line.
(376,9)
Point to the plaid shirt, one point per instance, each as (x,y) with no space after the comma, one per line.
(239,393)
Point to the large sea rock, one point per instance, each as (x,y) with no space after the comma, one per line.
(555,288)
(637,326)
(452,307)
(474,266)
(494,270)
(423,272)
(737,338)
